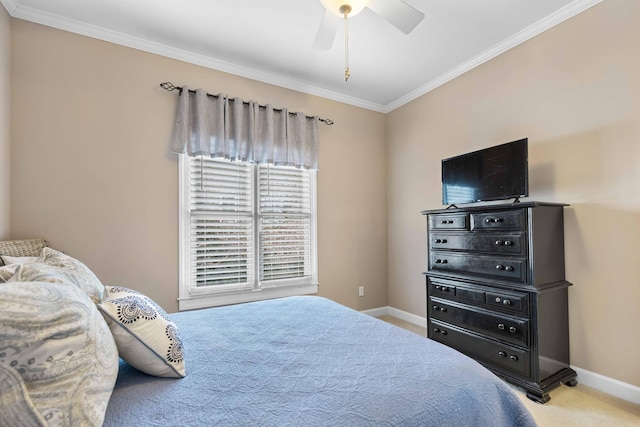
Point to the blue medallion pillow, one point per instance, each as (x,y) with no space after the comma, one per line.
(146,338)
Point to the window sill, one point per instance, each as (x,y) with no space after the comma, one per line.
(210,300)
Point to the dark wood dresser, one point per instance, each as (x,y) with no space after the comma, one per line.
(496,290)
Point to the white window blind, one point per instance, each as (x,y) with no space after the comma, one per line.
(285,224)
(245,230)
(221,207)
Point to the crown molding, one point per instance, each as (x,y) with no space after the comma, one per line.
(33,15)
(9,5)
(569,11)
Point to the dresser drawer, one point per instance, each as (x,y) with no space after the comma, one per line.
(511,301)
(449,290)
(442,290)
(510,244)
(449,222)
(502,327)
(500,220)
(472,295)
(493,266)
(498,354)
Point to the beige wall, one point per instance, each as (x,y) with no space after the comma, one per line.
(574,91)
(93,173)
(5,120)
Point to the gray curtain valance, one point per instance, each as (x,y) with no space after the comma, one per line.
(234,129)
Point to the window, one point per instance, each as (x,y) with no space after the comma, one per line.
(247,232)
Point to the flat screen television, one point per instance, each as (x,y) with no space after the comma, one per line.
(494,173)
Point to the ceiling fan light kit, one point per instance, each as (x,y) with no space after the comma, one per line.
(396,12)
(344,7)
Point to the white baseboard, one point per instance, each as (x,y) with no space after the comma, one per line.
(377,312)
(608,385)
(407,317)
(398,314)
(619,389)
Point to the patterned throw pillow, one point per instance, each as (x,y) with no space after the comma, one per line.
(59,359)
(73,270)
(8,260)
(7,272)
(146,338)
(17,406)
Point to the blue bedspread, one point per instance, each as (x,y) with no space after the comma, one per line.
(308,361)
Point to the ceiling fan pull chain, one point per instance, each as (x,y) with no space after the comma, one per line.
(346,48)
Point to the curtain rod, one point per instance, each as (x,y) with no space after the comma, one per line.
(170,87)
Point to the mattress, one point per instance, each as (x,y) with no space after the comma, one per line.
(308,361)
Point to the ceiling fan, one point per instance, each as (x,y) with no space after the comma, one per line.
(397,12)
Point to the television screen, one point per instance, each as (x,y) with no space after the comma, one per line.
(494,173)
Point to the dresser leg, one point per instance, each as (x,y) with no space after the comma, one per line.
(543,398)
(571,383)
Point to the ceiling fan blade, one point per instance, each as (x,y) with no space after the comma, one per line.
(398,13)
(327,31)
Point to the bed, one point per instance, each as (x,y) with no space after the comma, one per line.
(308,361)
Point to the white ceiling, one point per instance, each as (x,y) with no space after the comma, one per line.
(271,40)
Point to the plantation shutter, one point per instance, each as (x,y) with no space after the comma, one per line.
(284,217)
(221,225)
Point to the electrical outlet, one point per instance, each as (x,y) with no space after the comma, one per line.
(361,291)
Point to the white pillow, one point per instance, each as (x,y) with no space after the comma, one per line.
(56,341)
(17,259)
(146,338)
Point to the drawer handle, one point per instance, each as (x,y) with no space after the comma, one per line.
(493,220)
(443,309)
(501,326)
(449,221)
(441,261)
(443,332)
(513,357)
(504,267)
(437,307)
(505,301)
(504,242)
(499,267)
(441,240)
(512,329)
